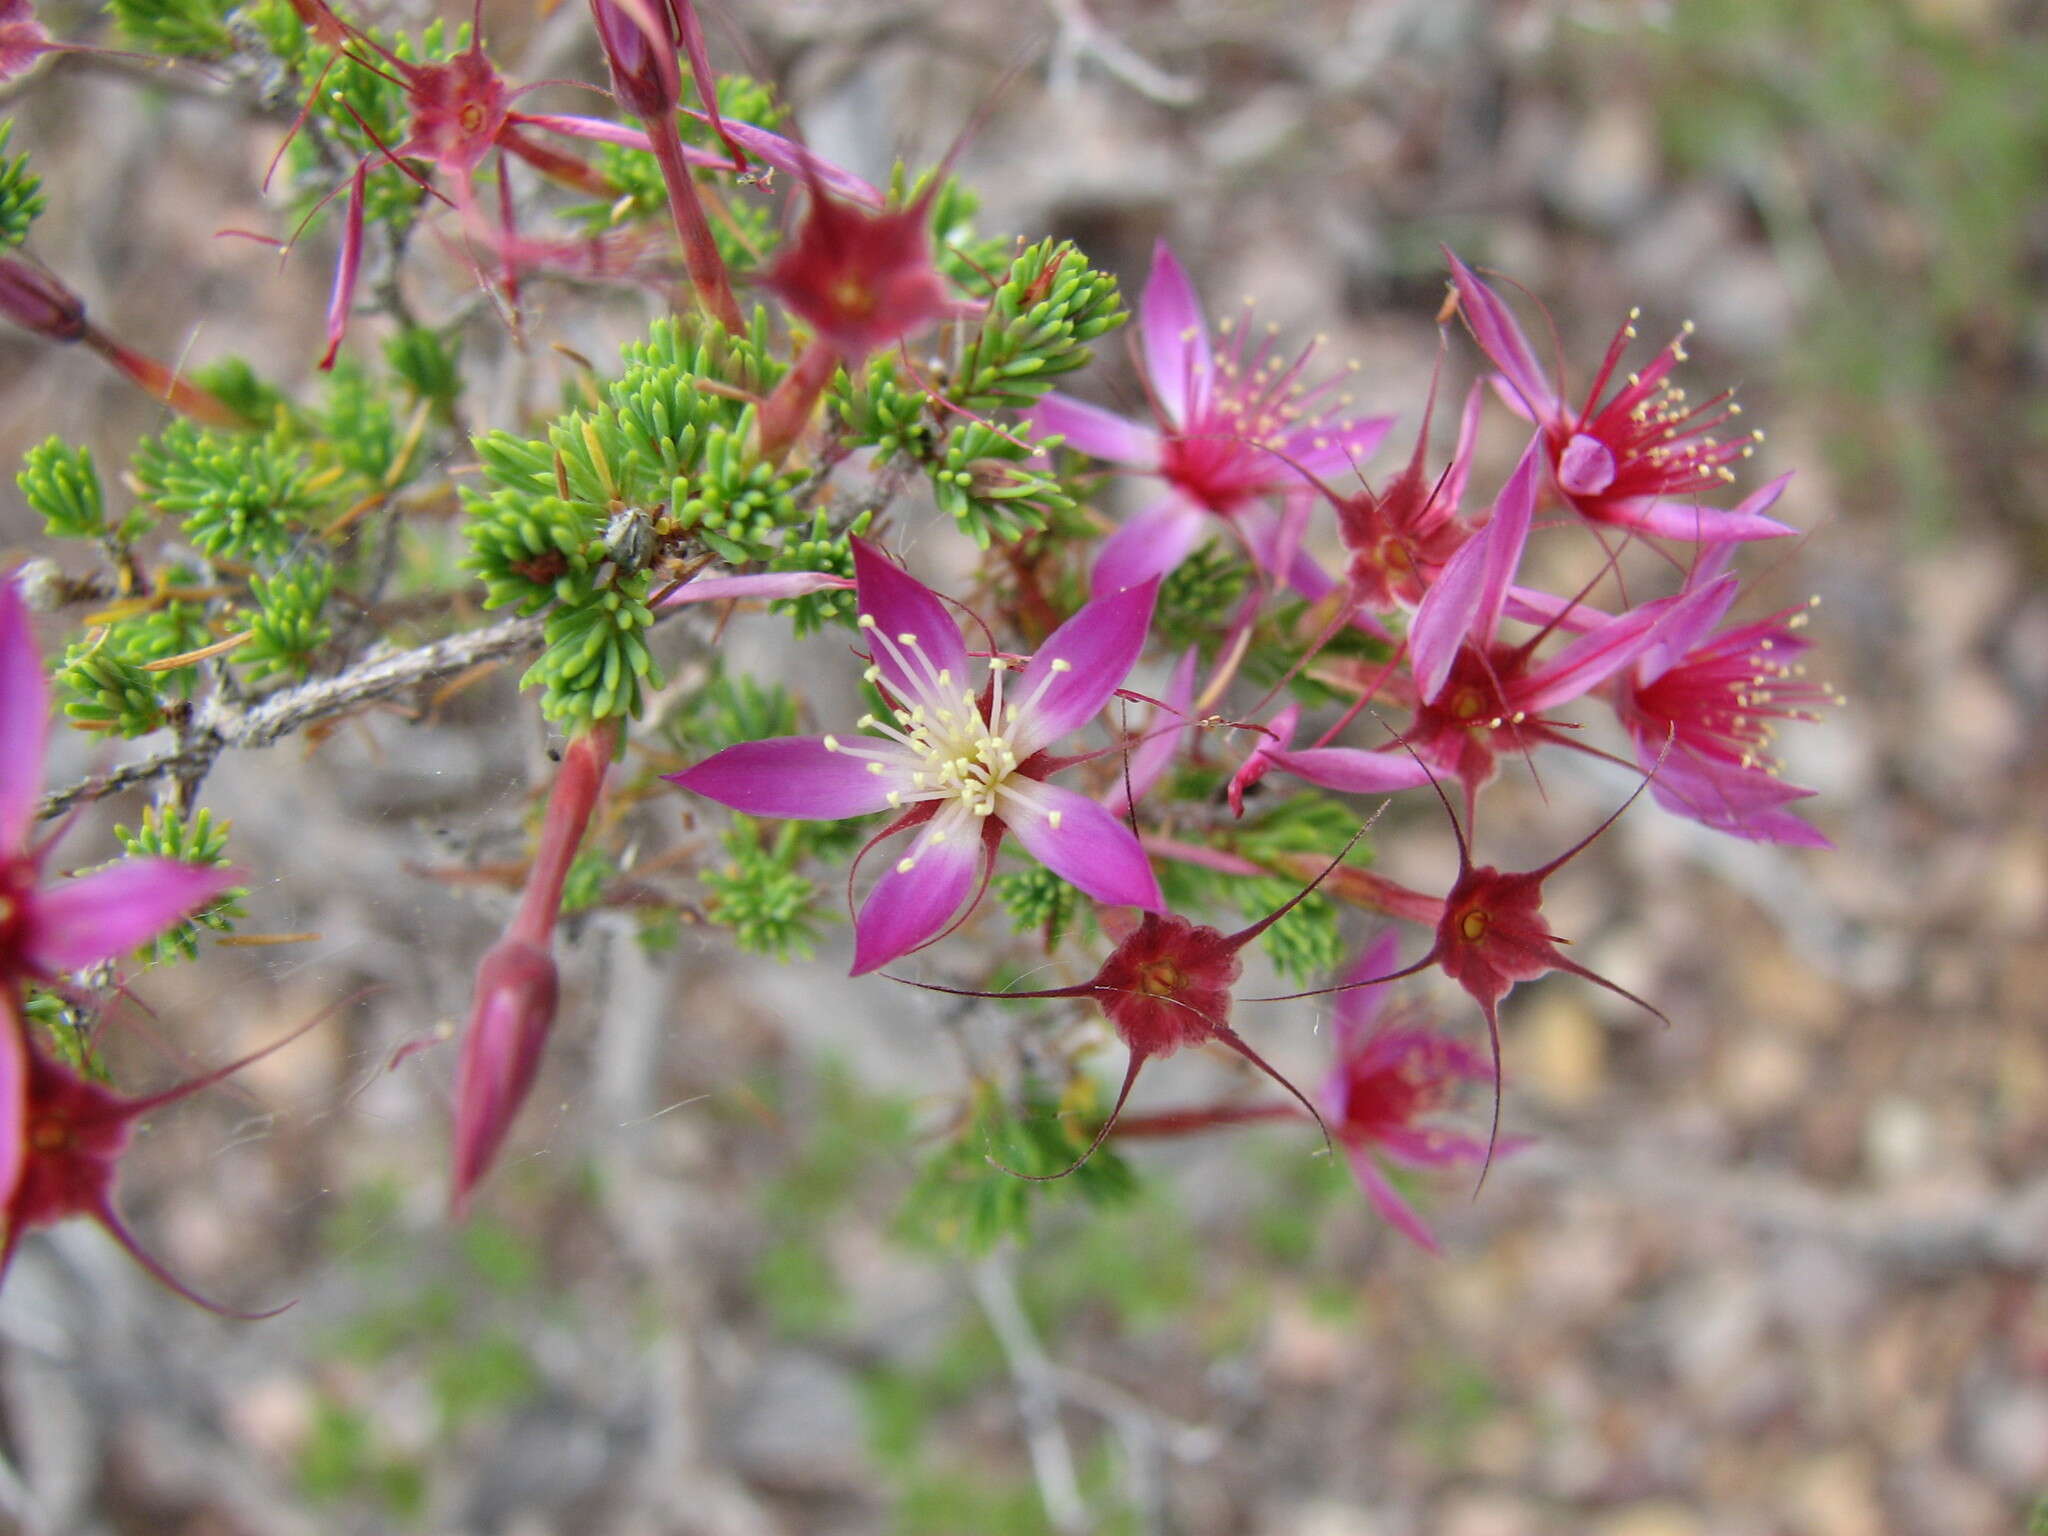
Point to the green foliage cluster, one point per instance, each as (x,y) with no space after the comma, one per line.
(669,447)
(21,192)
(1041,316)
(1040,902)
(826,549)
(239,496)
(288,628)
(760,892)
(61,486)
(963,1203)
(105,691)
(167,833)
(272,512)
(1210,582)
(197,28)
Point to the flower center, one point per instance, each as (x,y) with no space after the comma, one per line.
(49,1134)
(965,749)
(1160,978)
(1473,925)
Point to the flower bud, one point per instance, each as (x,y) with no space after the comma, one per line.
(38,302)
(640,39)
(516,992)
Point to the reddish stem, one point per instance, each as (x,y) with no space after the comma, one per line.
(700,249)
(1188,1122)
(556,164)
(570,805)
(788,409)
(167,385)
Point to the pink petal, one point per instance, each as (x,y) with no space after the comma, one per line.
(1164,733)
(13,1095)
(1464,603)
(1690,620)
(1328,451)
(761,587)
(1264,756)
(1451,495)
(81,922)
(24,720)
(913,902)
(1742,802)
(795,160)
(1586,467)
(900,605)
(346,270)
(1274,540)
(1359,1009)
(801,778)
(1080,665)
(1707,525)
(1176,338)
(1088,848)
(1352,770)
(1387,1200)
(1427,1147)
(1094,431)
(1545,610)
(1150,544)
(1590,660)
(1500,337)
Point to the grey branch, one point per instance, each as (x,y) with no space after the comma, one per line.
(219,725)
(1038,1397)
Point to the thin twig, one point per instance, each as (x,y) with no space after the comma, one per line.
(1038,1394)
(1082,36)
(217,726)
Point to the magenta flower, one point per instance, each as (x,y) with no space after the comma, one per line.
(68,1142)
(1490,936)
(1712,700)
(1639,459)
(862,279)
(46,931)
(1402,537)
(959,765)
(1166,985)
(1478,696)
(1389,1074)
(1227,431)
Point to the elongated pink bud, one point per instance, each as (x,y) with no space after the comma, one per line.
(38,302)
(516,992)
(517,986)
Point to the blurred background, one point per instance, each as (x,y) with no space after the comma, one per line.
(1777,1270)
